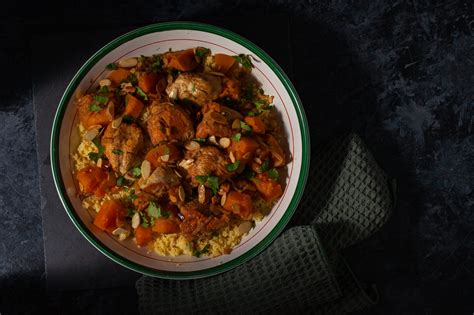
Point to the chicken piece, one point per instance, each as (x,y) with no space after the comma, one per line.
(217,121)
(168,122)
(123,146)
(194,219)
(88,118)
(160,181)
(200,88)
(207,161)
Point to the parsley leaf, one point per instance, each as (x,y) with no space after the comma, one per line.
(265,164)
(273,174)
(132,195)
(101,99)
(130,212)
(156,66)
(204,250)
(145,221)
(213,182)
(201,140)
(245,127)
(117,151)
(94,156)
(201,52)
(111,66)
(104,89)
(233,166)
(236,137)
(244,60)
(136,171)
(251,114)
(94,107)
(201,179)
(120,181)
(141,93)
(154,211)
(260,104)
(132,79)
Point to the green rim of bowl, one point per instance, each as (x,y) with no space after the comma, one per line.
(159,28)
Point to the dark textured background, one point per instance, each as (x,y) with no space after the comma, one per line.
(400,73)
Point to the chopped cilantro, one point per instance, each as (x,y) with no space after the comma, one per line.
(130,212)
(251,114)
(201,179)
(244,60)
(95,156)
(156,66)
(117,151)
(265,164)
(104,89)
(199,252)
(233,166)
(145,221)
(132,195)
(101,99)
(201,140)
(213,182)
(136,171)
(142,94)
(120,181)
(236,137)
(153,210)
(273,174)
(201,52)
(132,79)
(260,104)
(245,127)
(111,66)
(94,107)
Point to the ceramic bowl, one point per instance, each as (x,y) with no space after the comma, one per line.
(159,38)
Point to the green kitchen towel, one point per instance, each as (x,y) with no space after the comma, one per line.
(347,198)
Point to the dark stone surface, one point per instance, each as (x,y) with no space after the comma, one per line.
(398,73)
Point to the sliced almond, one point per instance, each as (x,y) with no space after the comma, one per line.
(119,231)
(218,118)
(135,220)
(279,160)
(165,158)
(236,124)
(247,155)
(177,173)
(92,132)
(224,142)
(111,109)
(105,82)
(123,236)
(168,131)
(231,157)
(223,199)
(245,227)
(201,194)
(216,73)
(116,122)
(128,63)
(186,164)
(146,169)
(213,140)
(192,146)
(129,177)
(99,162)
(258,160)
(181,193)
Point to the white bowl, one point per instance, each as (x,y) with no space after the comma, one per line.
(159,38)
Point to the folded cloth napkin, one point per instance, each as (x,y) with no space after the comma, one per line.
(347,198)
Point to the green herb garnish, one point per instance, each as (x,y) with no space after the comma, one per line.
(130,212)
(233,166)
(136,171)
(236,137)
(265,164)
(145,221)
(244,60)
(131,78)
(201,140)
(204,250)
(94,156)
(117,151)
(120,181)
(141,93)
(101,99)
(132,195)
(251,114)
(245,127)
(201,179)
(201,52)
(94,107)
(273,174)
(104,89)
(111,66)
(248,174)
(156,66)
(154,211)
